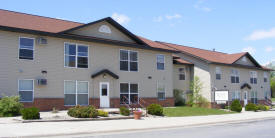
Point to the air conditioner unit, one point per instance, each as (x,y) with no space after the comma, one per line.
(41,81)
(41,41)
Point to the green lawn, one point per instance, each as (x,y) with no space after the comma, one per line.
(192,111)
(273,99)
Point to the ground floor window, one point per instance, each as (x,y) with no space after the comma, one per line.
(236,95)
(128,93)
(254,98)
(266,94)
(76,93)
(161,91)
(25,89)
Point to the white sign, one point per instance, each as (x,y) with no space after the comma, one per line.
(221,95)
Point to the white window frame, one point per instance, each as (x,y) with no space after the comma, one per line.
(158,83)
(265,77)
(129,92)
(129,60)
(218,70)
(235,74)
(76,55)
(160,62)
(253,75)
(26,48)
(182,73)
(29,90)
(254,95)
(76,81)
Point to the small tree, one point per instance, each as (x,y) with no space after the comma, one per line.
(196,99)
(272,85)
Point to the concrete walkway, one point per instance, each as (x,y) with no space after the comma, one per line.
(65,128)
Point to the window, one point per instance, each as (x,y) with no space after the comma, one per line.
(254,97)
(128,93)
(181,74)
(128,60)
(76,93)
(265,76)
(218,73)
(160,62)
(26,48)
(76,55)
(236,95)
(161,91)
(253,77)
(266,95)
(25,88)
(235,76)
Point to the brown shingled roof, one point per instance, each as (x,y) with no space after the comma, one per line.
(155,44)
(208,55)
(181,61)
(33,22)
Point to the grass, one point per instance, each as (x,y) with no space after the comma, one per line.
(273,99)
(192,111)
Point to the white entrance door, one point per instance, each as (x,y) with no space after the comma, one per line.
(245,98)
(104,94)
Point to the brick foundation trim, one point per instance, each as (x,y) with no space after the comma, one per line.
(47,104)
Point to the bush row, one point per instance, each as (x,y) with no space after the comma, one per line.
(254,107)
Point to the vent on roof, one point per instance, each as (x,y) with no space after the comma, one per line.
(41,41)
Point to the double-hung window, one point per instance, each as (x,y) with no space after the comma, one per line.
(181,73)
(265,76)
(236,95)
(26,48)
(76,93)
(253,77)
(128,93)
(76,55)
(218,73)
(161,91)
(235,76)
(160,62)
(254,96)
(128,60)
(25,88)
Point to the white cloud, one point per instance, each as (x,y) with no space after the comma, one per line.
(158,19)
(121,18)
(249,49)
(175,16)
(199,6)
(261,34)
(269,49)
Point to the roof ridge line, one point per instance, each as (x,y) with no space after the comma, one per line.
(193,47)
(41,16)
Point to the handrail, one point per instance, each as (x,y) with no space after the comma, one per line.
(129,105)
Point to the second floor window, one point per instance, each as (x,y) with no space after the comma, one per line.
(128,60)
(181,74)
(218,73)
(253,77)
(235,76)
(160,62)
(26,48)
(265,76)
(76,55)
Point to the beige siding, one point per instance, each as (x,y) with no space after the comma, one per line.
(182,84)
(248,62)
(92,30)
(101,56)
(201,69)
(260,87)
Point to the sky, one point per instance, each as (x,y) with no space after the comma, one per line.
(230,26)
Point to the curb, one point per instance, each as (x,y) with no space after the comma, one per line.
(158,128)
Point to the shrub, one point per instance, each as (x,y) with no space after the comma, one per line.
(267,108)
(124,111)
(179,99)
(203,102)
(251,107)
(226,107)
(263,107)
(102,113)
(30,113)
(155,109)
(236,106)
(83,112)
(10,106)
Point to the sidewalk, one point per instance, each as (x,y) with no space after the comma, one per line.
(63,128)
